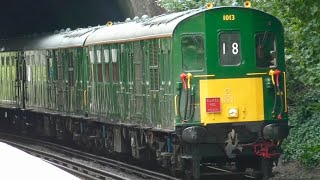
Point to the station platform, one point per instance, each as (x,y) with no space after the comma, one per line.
(17,164)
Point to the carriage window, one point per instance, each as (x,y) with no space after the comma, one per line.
(99,65)
(13,60)
(29,75)
(8,68)
(106,55)
(13,69)
(114,57)
(192,52)
(154,65)
(99,56)
(106,60)
(7,61)
(230,49)
(266,50)
(91,56)
(71,70)
(99,69)
(27,60)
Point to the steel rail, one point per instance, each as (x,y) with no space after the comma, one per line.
(147,174)
(92,173)
(227,172)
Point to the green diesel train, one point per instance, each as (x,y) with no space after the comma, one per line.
(187,89)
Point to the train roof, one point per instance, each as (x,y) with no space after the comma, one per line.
(147,28)
(63,39)
(130,30)
(140,28)
(67,39)
(137,28)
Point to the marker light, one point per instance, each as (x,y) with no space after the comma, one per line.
(247,4)
(209,5)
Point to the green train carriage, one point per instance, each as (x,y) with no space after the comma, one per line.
(47,79)
(232,89)
(194,87)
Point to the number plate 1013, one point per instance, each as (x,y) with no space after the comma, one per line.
(213,105)
(229,17)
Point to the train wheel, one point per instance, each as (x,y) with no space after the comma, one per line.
(265,168)
(240,166)
(192,169)
(187,175)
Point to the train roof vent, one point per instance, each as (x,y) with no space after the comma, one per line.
(144,17)
(128,20)
(136,18)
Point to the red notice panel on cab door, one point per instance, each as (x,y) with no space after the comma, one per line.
(213,105)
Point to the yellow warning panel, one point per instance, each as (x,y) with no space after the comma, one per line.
(231,100)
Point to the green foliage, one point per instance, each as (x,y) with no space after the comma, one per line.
(180,5)
(302,31)
(303,143)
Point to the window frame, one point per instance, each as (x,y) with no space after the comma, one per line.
(274,46)
(115,54)
(238,32)
(106,63)
(204,51)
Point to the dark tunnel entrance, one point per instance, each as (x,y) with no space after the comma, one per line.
(23,17)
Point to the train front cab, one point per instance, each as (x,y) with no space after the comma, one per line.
(236,86)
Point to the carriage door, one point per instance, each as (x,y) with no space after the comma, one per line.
(71,89)
(153,85)
(61,96)
(79,84)
(123,103)
(130,80)
(139,88)
(52,79)
(165,82)
(21,79)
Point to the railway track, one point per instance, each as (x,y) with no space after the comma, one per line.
(226,174)
(88,172)
(73,167)
(80,169)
